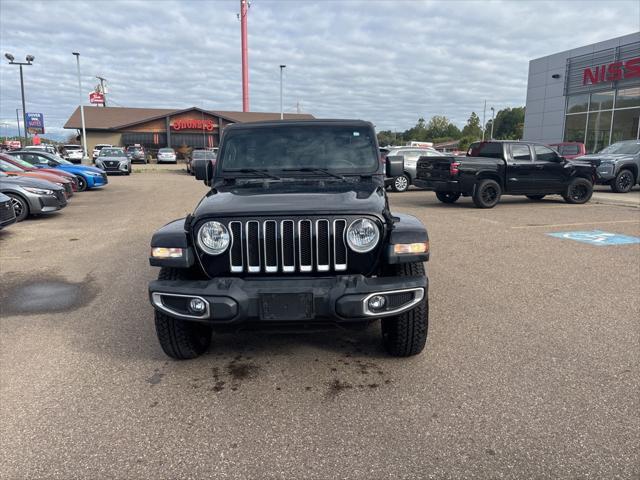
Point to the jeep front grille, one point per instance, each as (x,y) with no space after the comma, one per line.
(287,246)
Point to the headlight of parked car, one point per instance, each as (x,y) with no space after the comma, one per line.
(95,174)
(363,235)
(213,238)
(38,191)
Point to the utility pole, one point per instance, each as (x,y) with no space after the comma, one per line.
(282,67)
(104,94)
(484,114)
(244,11)
(492,118)
(85,156)
(298,106)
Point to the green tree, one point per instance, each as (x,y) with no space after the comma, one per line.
(508,124)
(473,129)
(387,137)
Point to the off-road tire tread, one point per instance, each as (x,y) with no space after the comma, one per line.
(614,182)
(406,334)
(477,198)
(442,196)
(567,197)
(176,336)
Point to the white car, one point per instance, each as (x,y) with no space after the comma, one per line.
(97,148)
(73,153)
(166,155)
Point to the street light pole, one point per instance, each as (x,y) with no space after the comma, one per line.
(29,59)
(85,157)
(492,118)
(282,67)
(18,120)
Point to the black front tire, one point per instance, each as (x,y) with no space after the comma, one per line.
(82,184)
(623,182)
(535,197)
(447,197)
(578,191)
(487,194)
(180,339)
(20,206)
(401,183)
(406,334)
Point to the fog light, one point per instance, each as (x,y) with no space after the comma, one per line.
(197,306)
(377,302)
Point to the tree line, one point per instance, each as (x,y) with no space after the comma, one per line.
(508,125)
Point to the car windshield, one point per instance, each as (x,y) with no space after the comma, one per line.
(622,148)
(112,152)
(202,154)
(9,167)
(22,163)
(344,149)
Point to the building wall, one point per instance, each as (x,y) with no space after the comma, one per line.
(545,105)
(95,137)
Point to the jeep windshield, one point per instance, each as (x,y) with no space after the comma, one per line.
(324,150)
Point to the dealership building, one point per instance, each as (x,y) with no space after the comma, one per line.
(589,94)
(156,128)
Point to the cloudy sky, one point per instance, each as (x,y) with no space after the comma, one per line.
(389,62)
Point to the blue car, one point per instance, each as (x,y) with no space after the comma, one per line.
(88,177)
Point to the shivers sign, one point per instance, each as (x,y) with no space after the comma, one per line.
(612,72)
(193,124)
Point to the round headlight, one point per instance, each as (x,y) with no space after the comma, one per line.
(363,235)
(213,238)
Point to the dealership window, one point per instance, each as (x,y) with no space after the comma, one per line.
(601,118)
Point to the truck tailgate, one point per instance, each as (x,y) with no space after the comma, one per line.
(434,168)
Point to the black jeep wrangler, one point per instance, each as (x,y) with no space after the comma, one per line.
(296,230)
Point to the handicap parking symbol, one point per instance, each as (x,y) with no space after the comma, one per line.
(597,237)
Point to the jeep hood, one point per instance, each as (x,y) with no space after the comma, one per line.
(596,159)
(293,198)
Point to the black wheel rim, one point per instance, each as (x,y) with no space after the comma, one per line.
(18,207)
(578,192)
(624,181)
(489,194)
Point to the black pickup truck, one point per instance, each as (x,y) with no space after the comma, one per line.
(496,168)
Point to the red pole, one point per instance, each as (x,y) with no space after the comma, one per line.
(245,55)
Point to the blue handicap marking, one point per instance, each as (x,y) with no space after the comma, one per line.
(597,237)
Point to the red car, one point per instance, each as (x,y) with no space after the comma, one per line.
(27,167)
(13,171)
(569,150)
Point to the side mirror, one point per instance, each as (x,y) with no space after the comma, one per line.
(394,166)
(203,170)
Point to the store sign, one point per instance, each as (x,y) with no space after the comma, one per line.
(612,72)
(96,97)
(193,124)
(35,123)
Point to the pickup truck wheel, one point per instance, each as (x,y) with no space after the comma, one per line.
(180,339)
(447,197)
(82,184)
(578,191)
(401,183)
(406,334)
(623,182)
(487,193)
(535,197)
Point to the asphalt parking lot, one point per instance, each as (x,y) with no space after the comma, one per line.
(531,367)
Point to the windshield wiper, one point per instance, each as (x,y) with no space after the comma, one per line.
(259,171)
(316,170)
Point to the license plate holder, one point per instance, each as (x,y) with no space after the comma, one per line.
(286,306)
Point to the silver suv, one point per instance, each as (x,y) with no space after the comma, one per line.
(618,165)
(411,156)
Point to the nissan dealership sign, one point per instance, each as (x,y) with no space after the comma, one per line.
(612,73)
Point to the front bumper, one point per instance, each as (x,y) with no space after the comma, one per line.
(97,181)
(438,185)
(235,300)
(47,203)
(110,167)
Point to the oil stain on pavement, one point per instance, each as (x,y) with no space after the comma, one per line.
(45,294)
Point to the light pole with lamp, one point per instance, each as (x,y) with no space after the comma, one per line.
(18,121)
(29,60)
(493,111)
(282,67)
(85,156)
